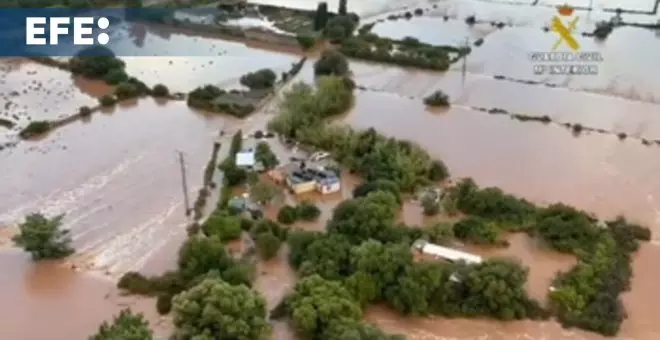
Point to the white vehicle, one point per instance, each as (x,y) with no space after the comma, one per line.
(319,156)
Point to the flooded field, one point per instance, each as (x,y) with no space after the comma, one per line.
(30,91)
(215,61)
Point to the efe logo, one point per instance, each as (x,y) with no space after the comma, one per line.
(35,28)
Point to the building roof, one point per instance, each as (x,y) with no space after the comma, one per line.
(447,253)
(245,158)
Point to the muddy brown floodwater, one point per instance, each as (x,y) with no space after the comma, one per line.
(117,179)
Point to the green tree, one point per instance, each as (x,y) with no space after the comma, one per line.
(566,229)
(199,255)
(430,205)
(439,233)
(268,245)
(332,62)
(363,287)
(339,28)
(259,80)
(265,155)
(160,90)
(378,185)
(44,238)
(224,226)
(384,263)
(350,329)
(321,16)
(327,256)
(415,291)
(308,211)
(125,326)
(342,7)
(287,215)
(214,309)
(362,218)
(437,98)
(476,230)
(264,192)
(316,303)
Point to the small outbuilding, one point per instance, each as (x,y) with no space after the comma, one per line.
(245,159)
(447,254)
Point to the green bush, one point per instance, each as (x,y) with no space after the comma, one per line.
(224,226)
(107,100)
(261,79)
(477,231)
(136,283)
(160,90)
(164,304)
(437,98)
(340,28)
(307,211)
(115,76)
(306,41)
(127,90)
(268,245)
(287,215)
(85,111)
(331,63)
(35,128)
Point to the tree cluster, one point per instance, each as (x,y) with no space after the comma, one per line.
(366,258)
(269,237)
(99,63)
(265,156)
(406,52)
(368,153)
(305,211)
(587,296)
(259,80)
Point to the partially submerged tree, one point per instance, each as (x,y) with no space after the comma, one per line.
(321,16)
(44,238)
(125,326)
(331,63)
(214,309)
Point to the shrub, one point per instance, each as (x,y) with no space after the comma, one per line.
(136,283)
(107,100)
(306,41)
(437,98)
(164,304)
(439,233)
(331,63)
(287,215)
(471,20)
(160,90)
(476,230)
(115,76)
(339,28)
(268,245)
(418,11)
(603,29)
(35,128)
(430,205)
(438,171)
(127,90)
(85,111)
(261,79)
(307,211)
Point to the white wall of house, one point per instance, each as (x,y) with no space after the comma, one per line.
(328,188)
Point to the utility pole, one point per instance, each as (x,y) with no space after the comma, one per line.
(464,68)
(184,183)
